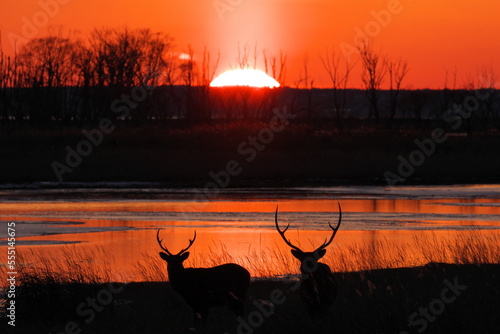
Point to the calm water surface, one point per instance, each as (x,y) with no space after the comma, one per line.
(123,222)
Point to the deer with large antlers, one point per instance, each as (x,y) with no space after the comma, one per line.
(318,287)
(203,288)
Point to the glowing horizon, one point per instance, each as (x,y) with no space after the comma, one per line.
(244,77)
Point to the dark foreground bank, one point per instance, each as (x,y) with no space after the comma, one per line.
(252,153)
(437,298)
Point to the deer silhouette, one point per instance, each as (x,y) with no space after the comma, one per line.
(318,286)
(204,288)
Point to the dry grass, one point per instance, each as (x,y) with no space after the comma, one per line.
(267,263)
(51,289)
(150,269)
(466,248)
(97,266)
(71,266)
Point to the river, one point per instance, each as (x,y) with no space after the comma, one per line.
(238,224)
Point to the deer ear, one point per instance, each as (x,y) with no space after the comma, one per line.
(296,253)
(164,256)
(321,253)
(184,256)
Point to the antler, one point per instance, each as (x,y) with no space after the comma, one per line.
(159,243)
(326,243)
(191,241)
(282,233)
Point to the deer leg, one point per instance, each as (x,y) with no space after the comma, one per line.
(235,303)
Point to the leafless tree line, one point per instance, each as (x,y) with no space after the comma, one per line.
(478,95)
(62,78)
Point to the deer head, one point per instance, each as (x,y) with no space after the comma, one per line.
(174,261)
(308,259)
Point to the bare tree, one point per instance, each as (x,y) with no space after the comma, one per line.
(206,75)
(305,84)
(171,78)
(48,61)
(397,71)
(243,61)
(454,74)
(123,58)
(188,69)
(9,79)
(451,94)
(373,74)
(275,66)
(196,77)
(127,58)
(47,68)
(485,88)
(339,77)
(481,86)
(243,57)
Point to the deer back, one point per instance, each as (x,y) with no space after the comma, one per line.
(214,286)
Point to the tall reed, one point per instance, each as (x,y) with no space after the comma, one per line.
(95,265)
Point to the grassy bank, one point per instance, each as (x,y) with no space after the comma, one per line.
(377,294)
(378,301)
(95,265)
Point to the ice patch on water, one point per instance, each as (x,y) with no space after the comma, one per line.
(45,222)
(46,228)
(406,192)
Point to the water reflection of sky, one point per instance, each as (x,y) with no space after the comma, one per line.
(43,213)
(241,221)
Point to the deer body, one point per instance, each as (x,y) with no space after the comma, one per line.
(318,286)
(203,288)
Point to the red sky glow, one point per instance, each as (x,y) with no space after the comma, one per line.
(434,37)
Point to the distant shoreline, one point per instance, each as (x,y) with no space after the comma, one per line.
(249,184)
(158,191)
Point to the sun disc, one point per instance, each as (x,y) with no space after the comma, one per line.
(244,77)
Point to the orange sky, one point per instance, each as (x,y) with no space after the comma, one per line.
(434,36)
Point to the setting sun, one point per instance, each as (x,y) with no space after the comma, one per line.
(244,77)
